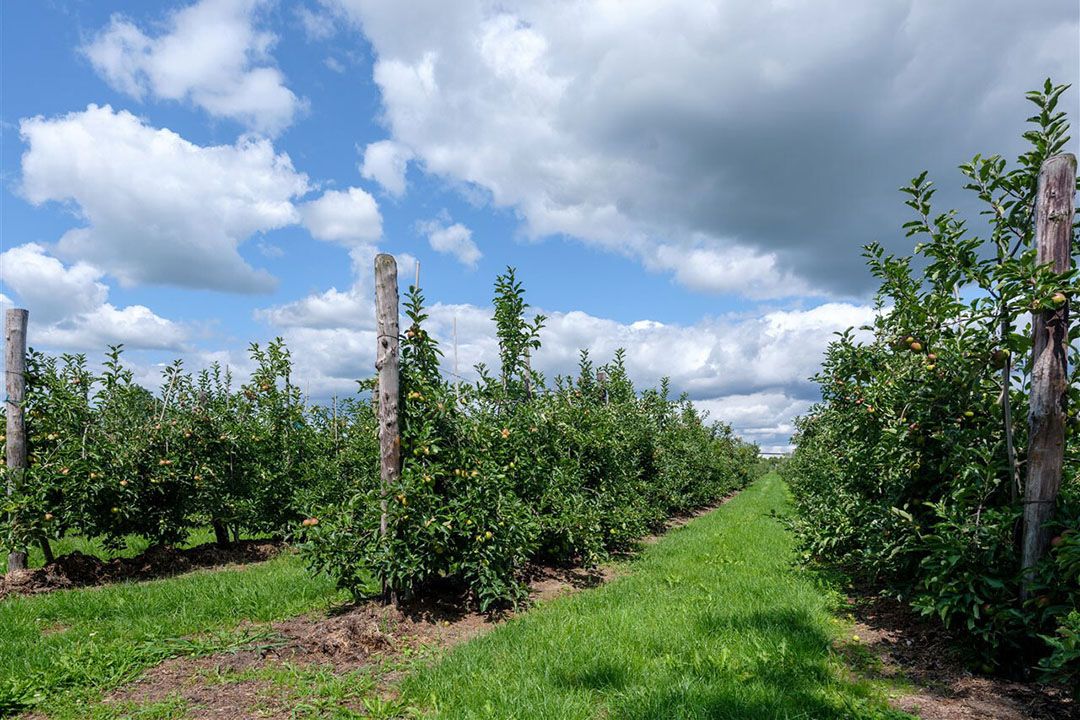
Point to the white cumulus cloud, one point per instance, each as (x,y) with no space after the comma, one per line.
(211,54)
(349,217)
(386,162)
(752,371)
(452,239)
(743,146)
(157,208)
(69,309)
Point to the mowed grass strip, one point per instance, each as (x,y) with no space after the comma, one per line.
(68,646)
(713,622)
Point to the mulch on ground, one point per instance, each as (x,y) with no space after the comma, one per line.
(77,569)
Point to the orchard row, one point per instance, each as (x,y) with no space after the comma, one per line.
(496,474)
(914,468)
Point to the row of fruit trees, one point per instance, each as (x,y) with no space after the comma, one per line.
(923,467)
(496,474)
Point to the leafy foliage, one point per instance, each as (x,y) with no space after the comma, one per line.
(509,470)
(495,474)
(107,458)
(908,471)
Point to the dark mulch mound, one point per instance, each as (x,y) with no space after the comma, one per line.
(920,650)
(77,569)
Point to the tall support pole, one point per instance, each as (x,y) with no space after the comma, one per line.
(457,377)
(387,363)
(1049,373)
(15,386)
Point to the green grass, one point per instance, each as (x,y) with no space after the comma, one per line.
(61,649)
(132,546)
(712,622)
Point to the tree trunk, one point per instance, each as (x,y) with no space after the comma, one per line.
(221,533)
(46,550)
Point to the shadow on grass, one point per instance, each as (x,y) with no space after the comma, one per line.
(779,666)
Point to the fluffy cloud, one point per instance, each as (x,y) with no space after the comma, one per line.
(211,54)
(451,239)
(158,208)
(332,309)
(757,137)
(350,217)
(761,417)
(386,162)
(44,284)
(68,307)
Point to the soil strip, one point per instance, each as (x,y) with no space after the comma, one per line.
(919,652)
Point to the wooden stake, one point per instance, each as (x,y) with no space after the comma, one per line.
(388,367)
(15,385)
(1049,373)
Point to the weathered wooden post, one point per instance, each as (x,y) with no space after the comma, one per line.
(1049,373)
(389,390)
(15,386)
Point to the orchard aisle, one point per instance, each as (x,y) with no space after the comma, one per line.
(711,621)
(714,622)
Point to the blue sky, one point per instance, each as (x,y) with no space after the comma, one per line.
(690,180)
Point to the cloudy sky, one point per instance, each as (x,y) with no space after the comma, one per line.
(690,180)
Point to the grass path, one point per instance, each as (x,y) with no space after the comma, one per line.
(712,622)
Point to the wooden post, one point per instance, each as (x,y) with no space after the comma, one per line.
(387,365)
(1049,373)
(15,385)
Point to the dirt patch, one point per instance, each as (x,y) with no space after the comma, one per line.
(546,583)
(911,647)
(77,569)
(366,636)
